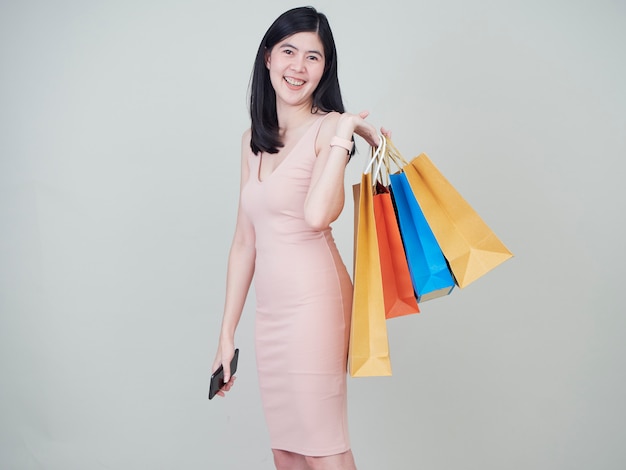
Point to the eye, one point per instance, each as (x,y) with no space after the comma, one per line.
(314,57)
(287,51)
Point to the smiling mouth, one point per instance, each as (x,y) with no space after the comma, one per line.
(293,81)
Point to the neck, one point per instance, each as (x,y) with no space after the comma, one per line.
(292,117)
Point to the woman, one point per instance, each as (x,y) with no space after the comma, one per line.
(292,188)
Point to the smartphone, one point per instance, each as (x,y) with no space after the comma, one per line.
(217,378)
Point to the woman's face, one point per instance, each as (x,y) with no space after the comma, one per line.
(296,65)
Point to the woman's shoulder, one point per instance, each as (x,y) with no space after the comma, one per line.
(330,118)
(326,130)
(246,136)
(245,143)
(328,126)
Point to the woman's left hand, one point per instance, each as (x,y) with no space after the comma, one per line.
(356,124)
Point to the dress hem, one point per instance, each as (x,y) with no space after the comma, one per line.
(309,453)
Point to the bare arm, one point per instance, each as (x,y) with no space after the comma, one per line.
(325,199)
(238,278)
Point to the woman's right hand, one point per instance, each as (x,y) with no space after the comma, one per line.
(225,354)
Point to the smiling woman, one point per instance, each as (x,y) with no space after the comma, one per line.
(296,65)
(292,188)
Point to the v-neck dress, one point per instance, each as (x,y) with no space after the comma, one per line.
(303,303)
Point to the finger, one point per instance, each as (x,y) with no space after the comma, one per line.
(364,114)
(226,366)
(370,135)
(229,384)
(373,137)
(385,132)
(226,387)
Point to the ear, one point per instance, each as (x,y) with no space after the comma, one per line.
(267,59)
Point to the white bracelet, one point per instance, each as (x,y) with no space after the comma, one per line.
(343,143)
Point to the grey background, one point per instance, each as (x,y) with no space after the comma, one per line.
(120,124)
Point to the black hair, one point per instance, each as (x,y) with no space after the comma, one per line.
(327,95)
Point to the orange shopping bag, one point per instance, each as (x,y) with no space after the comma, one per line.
(398,292)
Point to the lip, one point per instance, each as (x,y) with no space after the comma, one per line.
(292,86)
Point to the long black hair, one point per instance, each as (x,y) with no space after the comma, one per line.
(327,95)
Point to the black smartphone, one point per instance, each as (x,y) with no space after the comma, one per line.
(217,378)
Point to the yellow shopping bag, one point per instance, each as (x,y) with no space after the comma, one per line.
(369,345)
(468,244)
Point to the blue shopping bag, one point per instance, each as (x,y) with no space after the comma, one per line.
(429,269)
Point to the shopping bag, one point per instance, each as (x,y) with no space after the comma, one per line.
(398,292)
(468,244)
(369,345)
(429,270)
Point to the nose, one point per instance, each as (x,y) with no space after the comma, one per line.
(298,64)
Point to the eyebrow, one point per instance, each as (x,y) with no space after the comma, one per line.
(286,44)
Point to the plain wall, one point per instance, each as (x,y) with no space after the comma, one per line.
(120,126)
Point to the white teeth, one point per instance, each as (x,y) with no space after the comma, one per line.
(294,82)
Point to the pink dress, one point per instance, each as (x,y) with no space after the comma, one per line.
(304,298)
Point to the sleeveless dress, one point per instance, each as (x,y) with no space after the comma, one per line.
(304,300)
